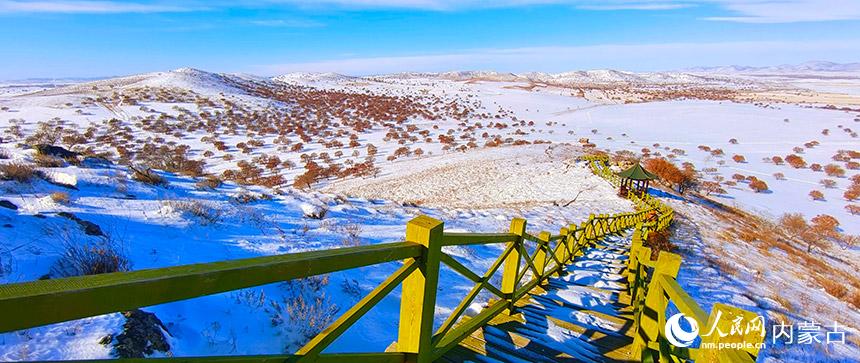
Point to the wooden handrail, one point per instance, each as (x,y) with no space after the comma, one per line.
(35,303)
(651,296)
(462,239)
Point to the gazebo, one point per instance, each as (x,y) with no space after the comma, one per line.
(636,178)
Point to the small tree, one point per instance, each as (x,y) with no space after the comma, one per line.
(853,192)
(710,187)
(777,160)
(793,224)
(828,183)
(825,225)
(739,159)
(834,170)
(795,161)
(816,195)
(758,185)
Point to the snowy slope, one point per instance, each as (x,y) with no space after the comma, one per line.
(493,146)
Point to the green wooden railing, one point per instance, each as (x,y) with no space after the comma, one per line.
(37,303)
(31,304)
(652,286)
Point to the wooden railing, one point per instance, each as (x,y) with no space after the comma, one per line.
(652,286)
(31,304)
(37,303)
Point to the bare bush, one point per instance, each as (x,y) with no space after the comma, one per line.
(22,173)
(60,197)
(147,176)
(816,195)
(47,161)
(834,170)
(758,185)
(659,241)
(92,258)
(307,308)
(795,161)
(208,182)
(206,213)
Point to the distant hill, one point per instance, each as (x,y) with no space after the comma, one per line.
(811,66)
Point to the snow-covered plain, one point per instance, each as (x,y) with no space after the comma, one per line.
(467,185)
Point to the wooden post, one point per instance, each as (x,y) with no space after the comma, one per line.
(632,260)
(583,239)
(561,248)
(589,228)
(418,301)
(571,241)
(512,264)
(654,310)
(541,257)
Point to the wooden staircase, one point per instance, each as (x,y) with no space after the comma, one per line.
(583,315)
(591,293)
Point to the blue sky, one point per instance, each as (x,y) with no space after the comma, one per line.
(52,38)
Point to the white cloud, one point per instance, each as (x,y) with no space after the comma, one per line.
(748,11)
(635,6)
(288,23)
(789,11)
(91,7)
(637,57)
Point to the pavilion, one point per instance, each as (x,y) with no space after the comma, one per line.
(635,179)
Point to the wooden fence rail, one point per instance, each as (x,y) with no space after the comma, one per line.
(652,286)
(37,303)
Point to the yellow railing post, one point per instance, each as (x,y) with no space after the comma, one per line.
(561,248)
(541,257)
(572,241)
(418,301)
(652,316)
(512,263)
(589,228)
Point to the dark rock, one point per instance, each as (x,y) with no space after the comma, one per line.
(142,335)
(107,339)
(7,204)
(55,151)
(90,228)
(93,162)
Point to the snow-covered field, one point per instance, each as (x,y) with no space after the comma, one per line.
(492,147)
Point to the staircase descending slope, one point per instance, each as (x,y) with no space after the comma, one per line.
(591,293)
(584,315)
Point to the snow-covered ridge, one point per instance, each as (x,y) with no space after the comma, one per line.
(312,77)
(182,78)
(578,78)
(806,67)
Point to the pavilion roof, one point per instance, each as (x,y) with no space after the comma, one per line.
(637,172)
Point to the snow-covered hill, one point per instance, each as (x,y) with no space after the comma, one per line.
(248,159)
(806,67)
